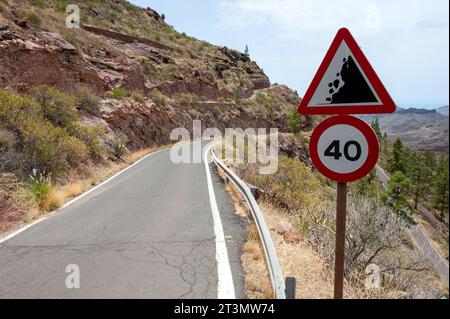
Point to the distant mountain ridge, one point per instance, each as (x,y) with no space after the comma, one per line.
(443,110)
(420,129)
(415,110)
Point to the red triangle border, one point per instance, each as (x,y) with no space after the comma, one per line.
(387,103)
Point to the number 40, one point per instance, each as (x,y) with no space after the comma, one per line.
(334,150)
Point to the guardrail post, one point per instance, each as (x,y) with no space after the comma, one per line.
(291,283)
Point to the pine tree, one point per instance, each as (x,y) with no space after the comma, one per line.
(396,161)
(441,187)
(430,159)
(368,185)
(399,187)
(420,174)
(246,52)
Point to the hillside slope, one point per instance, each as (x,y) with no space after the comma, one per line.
(420,129)
(173,77)
(443,110)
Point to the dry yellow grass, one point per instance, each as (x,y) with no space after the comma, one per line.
(52,201)
(257,280)
(300,260)
(252,232)
(73,190)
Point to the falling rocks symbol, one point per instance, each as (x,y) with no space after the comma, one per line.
(355,88)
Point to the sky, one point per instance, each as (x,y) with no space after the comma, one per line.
(406,41)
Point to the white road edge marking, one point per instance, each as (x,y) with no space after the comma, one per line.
(17,232)
(225,285)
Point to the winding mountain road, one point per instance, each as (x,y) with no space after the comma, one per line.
(421,239)
(152,231)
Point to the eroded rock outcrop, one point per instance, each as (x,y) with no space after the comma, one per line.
(35,58)
(147,123)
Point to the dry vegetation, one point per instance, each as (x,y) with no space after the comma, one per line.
(298,259)
(257,281)
(300,212)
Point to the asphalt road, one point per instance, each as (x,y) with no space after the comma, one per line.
(421,240)
(147,233)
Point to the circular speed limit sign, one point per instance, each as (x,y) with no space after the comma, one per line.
(344,148)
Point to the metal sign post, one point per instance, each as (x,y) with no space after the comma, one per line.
(339,260)
(344,148)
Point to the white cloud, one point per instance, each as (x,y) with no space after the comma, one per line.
(292,17)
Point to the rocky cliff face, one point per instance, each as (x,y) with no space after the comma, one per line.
(126,47)
(39,57)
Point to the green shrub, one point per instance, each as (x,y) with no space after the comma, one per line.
(260,98)
(118,93)
(171,72)
(40,3)
(158,97)
(47,147)
(130,25)
(87,101)
(90,136)
(62,4)
(148,67)
(202,46)
(237,93)
(294,121)
(12,106)
(50,148)
(118,145)
(293,184)
(188,98)
(34,19)
(40,187)
(266,101)
(138,96)
(56,106)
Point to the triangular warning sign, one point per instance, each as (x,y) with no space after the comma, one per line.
(346,83)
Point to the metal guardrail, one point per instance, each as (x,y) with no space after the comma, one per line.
(276,276)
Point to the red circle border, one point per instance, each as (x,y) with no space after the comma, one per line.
(365,129)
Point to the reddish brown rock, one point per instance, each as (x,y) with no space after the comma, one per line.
(48,59)
(288,232)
